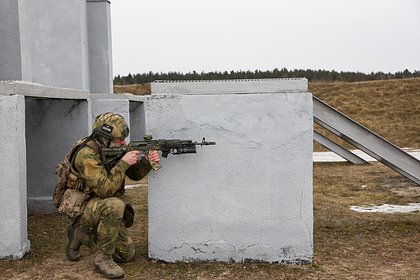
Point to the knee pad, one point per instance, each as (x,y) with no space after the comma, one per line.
(116,205)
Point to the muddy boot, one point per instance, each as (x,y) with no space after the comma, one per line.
(105,265)
(76,236)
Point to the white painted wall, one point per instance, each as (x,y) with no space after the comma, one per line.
(100,46)
(250,196)
(14,241)
(54,42)
(10,47)
(61,43)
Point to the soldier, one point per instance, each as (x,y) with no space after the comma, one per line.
(107,213)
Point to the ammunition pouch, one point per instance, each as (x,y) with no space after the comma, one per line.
(75,182)
(66,178)
(61,173)
(73,203)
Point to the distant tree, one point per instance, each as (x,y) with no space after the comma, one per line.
(311,75)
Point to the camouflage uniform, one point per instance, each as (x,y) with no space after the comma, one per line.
(104,212)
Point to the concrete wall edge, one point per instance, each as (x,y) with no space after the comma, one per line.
(234,86)
(29,89)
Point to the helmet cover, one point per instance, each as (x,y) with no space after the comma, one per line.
(111,126)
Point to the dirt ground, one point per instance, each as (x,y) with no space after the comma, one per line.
(347,244)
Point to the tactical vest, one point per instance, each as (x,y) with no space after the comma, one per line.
(66,174)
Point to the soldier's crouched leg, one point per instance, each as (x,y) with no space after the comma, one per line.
(77,236)
(124,250)
(104,216)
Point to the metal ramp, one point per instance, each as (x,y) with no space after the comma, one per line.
(339,150)
(366,140)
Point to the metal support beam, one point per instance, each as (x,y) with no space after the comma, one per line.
(339,150)
(366,140)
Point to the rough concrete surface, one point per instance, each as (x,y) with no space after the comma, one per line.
(14,241)
(247,198)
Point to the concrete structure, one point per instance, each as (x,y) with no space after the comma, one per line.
(60,43)
(100,48)
(53,55)
(13,222)
(250,196)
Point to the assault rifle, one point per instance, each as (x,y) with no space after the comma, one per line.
(170,146)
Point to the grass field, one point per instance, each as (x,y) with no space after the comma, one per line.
(389,108)
(347,244)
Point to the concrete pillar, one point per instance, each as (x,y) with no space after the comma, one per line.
(14,241)
(250,196)
(100,46)
(52,126)
(45,42)
(10,60)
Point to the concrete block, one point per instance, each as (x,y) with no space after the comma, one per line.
(58,43)
(41,91)
(247,198)
(230,86)
(10,47)
(100,47)
(45,42)
(14,241)
(59,52)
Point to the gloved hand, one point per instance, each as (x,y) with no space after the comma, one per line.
(132,157)
(153,155)
(154,159)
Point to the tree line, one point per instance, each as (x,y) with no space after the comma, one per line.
(311,75)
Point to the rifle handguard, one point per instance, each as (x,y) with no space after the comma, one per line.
(171,146)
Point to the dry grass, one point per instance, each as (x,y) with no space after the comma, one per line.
(137,89)
(389,108)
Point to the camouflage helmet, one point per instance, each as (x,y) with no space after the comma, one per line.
(110,126)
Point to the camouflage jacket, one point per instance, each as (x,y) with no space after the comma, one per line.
(104,182)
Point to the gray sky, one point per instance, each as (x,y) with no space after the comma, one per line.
(219,35)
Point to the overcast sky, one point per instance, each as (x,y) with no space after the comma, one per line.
(219,35)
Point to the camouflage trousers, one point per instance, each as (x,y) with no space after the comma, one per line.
(103,220)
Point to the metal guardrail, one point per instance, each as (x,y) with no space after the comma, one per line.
(366,140)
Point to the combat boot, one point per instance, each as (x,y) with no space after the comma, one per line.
(76,235)
(105,265)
